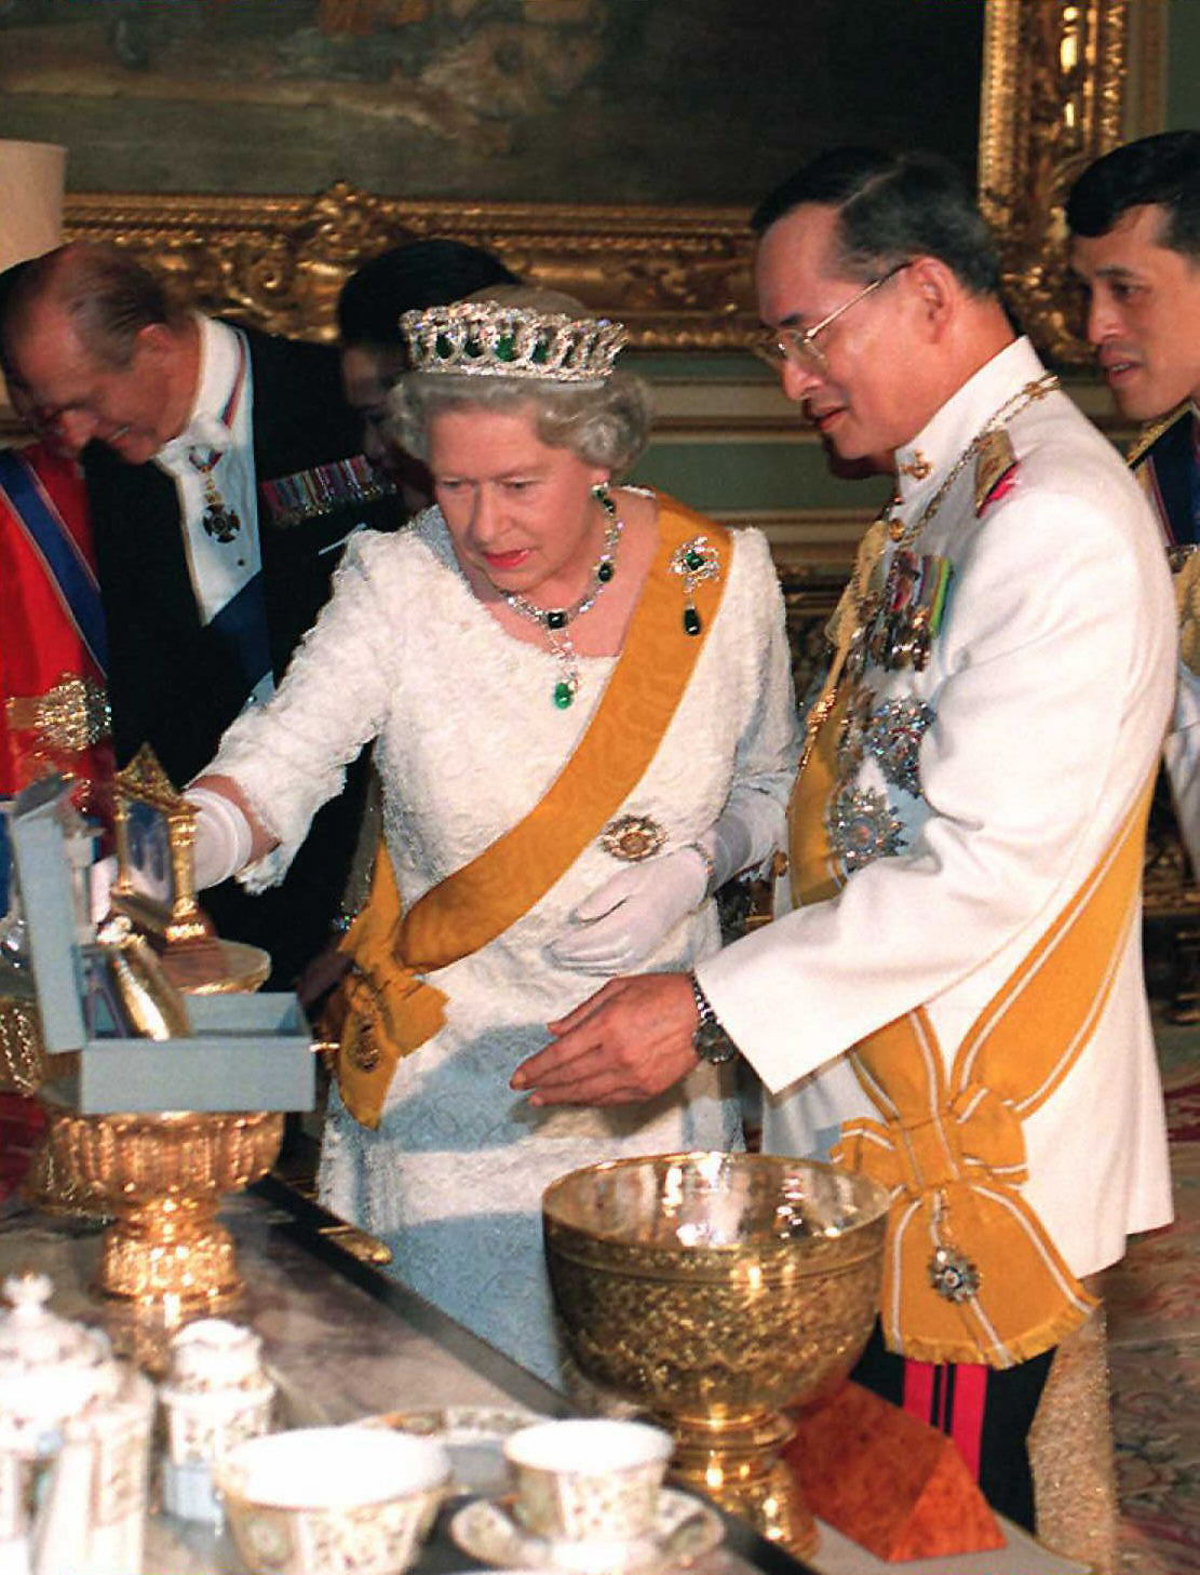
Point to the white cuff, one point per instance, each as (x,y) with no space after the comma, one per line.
(223,837)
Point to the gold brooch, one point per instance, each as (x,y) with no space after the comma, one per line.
(632,838)
(918,467)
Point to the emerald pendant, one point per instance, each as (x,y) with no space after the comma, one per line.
(691,621)
(604,570)
(556,619)
(563,694)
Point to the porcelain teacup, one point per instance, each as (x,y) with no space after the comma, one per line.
(313,1500)
(588,1480)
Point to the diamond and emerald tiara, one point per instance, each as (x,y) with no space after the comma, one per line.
(489,339)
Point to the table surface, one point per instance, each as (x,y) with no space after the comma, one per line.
(344,1341)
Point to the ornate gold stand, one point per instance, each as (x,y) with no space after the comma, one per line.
(24,1067)
(160,1176)
(735,1460)
(163,1177)
(223,968)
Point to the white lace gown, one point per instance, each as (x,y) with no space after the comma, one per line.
(467,740)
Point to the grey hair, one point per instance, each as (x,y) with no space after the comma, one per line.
(602,424)
(105,293)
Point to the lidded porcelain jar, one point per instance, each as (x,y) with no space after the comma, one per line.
(216,1394)
(74,1442)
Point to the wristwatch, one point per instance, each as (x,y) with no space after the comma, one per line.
(710,1041)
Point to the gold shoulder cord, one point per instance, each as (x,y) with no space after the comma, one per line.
(1149,435)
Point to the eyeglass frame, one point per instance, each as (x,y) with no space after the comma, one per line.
(797,346)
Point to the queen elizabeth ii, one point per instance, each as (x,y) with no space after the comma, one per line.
(579,700)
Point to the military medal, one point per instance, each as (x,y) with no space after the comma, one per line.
(632,838)
(953,1276)
(910,611)
(219,520)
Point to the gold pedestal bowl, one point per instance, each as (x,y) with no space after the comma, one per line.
(162,1177)
(711,1290)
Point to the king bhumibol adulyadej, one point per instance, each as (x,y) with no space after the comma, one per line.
(955,1005)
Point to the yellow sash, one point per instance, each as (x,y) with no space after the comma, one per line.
(814,876)
(385,1009)
(953,1152)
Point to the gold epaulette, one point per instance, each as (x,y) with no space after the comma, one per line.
(1149,435)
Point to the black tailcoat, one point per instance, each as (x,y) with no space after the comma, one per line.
(170,682)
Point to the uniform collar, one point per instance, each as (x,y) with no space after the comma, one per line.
(921,465)
(213,414)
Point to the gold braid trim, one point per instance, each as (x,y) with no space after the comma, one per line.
(1149,435)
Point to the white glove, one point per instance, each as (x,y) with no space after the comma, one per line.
(618,926)
(100,883)
(223,837)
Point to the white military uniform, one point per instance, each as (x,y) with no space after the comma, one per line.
(983,791)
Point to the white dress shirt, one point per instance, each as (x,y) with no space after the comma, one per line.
(219,426)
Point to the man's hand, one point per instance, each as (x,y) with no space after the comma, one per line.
(630,1041)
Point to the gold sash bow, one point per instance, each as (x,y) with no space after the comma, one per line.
(385,1009)
(952,1150)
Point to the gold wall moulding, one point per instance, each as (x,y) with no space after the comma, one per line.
(680,278)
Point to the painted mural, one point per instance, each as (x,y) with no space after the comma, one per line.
(538,100)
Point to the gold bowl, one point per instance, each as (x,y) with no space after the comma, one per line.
(163,1176)
(711,1290)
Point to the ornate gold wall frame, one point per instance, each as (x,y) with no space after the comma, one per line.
(1061,83)
(679,277)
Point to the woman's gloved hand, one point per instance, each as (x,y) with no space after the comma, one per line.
(223,837)
(615,929)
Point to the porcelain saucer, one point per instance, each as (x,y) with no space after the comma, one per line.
(473,1437)
(488,1530)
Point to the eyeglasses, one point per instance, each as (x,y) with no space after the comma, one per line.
(798,346)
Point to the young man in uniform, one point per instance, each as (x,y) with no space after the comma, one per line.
(1134,218)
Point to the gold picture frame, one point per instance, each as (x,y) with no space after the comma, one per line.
(155,835)
(1061,83)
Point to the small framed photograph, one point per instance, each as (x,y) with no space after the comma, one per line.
(156,831)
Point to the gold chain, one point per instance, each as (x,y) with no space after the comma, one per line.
(1012,406)
(849,619)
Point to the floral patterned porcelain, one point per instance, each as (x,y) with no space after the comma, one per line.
(684,1529)
(473,1437)
(588,1478)
(332,1501)
(217,1395)
(74,1442)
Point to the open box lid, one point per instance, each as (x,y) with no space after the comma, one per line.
(47,902)
(245,1052)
